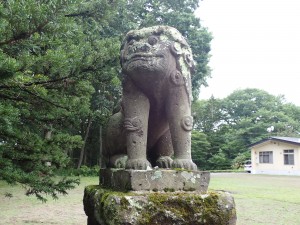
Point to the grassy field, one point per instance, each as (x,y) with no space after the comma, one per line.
(23,210)
(260,199)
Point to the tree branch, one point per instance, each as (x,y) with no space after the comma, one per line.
(25,35)
(85,14)
(36,83)
(11,98)
(39,28)
(45,100)
(45,82)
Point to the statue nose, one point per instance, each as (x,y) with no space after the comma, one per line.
(145,47)
(141,47)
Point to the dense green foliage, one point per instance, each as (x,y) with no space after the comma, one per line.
(231,124)
(59,68)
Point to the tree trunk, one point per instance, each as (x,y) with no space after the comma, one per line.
(48,132)
(85,156)
(100,146)
(85,139)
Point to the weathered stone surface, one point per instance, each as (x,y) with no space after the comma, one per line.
(155,121)
(104,207)
(159,180)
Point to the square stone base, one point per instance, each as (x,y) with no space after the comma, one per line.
(154,180)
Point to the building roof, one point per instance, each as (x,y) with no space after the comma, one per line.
(290,140)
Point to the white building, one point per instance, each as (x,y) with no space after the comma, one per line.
(276,155)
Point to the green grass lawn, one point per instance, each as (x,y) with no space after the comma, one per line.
(23,210)
(260,199)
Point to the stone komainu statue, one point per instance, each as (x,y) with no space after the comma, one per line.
(155,119)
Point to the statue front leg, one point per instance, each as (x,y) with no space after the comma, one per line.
(180,122)
(136,110)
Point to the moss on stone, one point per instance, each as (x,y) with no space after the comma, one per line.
(145,208)
(124,203)
(165,207)
(189,189)
(169,189)
(107,203)
(155,190)
(181,170)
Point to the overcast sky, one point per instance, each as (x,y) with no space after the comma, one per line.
(256,45)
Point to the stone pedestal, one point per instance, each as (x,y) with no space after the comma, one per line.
(154,180)
(106,207)
(165,197)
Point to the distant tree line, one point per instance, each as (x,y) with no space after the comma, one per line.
(224,128)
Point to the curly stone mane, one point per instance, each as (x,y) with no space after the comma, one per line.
(178,45)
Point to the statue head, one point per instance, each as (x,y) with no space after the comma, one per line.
(153,49)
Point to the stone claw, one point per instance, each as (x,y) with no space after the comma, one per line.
(164,162)
(118,161)
(187,164)
(138,164)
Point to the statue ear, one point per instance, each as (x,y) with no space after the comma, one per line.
(175,50)
(189,61)
(121,57)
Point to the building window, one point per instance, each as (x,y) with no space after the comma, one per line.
(266,157)
(288,156)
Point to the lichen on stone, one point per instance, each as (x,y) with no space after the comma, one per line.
(157,175)
(168,208)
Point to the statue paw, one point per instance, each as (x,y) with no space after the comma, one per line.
(118,161)
(138,164)
(187,164)
(164,162)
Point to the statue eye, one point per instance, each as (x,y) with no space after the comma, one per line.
(152,40)
(131,39)
(130,42)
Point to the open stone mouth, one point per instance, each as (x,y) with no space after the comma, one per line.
(142,56)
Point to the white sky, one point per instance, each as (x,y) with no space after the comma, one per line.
(256,45)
